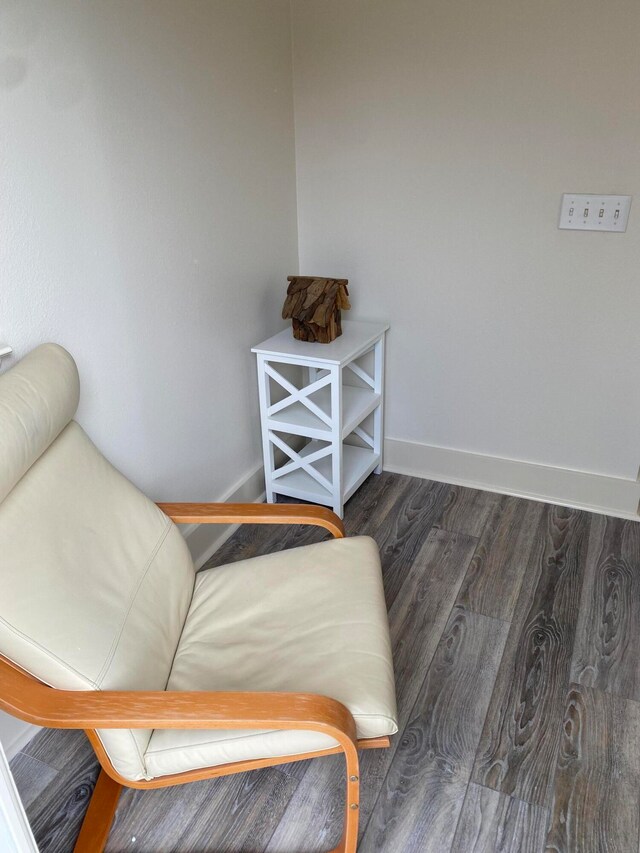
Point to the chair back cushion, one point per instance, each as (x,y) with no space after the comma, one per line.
(96,581)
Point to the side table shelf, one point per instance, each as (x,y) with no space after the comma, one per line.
(337,406)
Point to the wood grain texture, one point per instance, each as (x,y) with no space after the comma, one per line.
(99,816)
(60,748)
(254,541)
(236,813)
(35,776)
(27,698)
(492,584)
(423,793)
(496,823)
(467,510)
(607,646)
(417,620)
(228,513)
(366,513)
(595,807)
(520,741)
(57,814)
(374,507)
(401,533)
(298,808)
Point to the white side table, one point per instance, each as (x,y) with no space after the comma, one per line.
(337,408)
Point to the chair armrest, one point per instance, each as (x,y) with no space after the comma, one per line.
(223,513)
(27,698)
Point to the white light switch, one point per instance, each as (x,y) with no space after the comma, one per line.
(594,212)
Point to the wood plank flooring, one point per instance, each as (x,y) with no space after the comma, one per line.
(516,635)
(519,745)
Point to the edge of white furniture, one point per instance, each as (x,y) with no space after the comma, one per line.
(358,463)
(314,352)
(305,423)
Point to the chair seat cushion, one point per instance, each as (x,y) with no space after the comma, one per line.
(307,620)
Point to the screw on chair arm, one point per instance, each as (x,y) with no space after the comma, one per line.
(228,513)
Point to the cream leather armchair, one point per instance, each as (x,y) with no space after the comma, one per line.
(175,676)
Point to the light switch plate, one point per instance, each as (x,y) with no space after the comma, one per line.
(583,212)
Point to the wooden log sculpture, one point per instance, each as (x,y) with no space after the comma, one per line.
(314,305)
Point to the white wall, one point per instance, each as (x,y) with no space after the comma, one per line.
(148,216)
(434,140)
(148,219)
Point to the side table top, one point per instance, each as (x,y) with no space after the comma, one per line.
(356,337)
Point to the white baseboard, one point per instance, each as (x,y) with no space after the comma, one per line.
(592,492)
(205,539)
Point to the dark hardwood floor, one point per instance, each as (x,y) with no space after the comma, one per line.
(516,634)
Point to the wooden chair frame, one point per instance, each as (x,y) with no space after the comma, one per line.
(25,697)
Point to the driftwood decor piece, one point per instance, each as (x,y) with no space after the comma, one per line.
(314,305)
